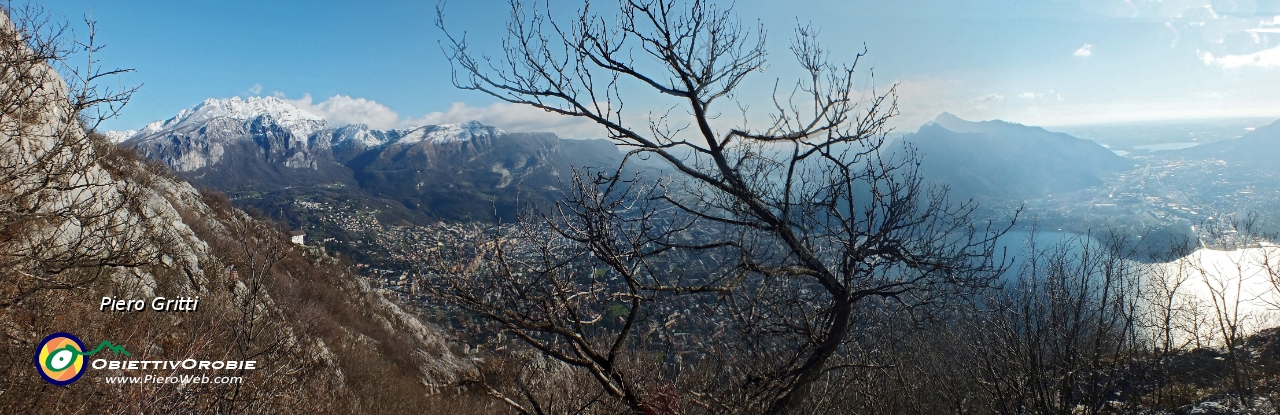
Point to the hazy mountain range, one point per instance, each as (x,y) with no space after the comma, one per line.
(1001,161)
(1259,149)
(266,153)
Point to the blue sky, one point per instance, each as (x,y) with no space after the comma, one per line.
(1041,62)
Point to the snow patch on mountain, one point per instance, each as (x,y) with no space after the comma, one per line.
(449,133)
(304,124)
(202,135)
(120,136)
(361,135)
(300,122)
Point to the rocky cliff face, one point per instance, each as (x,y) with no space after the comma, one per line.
(81,220)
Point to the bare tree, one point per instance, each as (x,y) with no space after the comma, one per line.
(1239,289)
(767,245)
(1063,337)
(64,219)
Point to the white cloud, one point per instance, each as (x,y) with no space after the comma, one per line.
(341,110)
(1268,58)
(512,117)
(920,100)
(1084,51)
(1040,96)
(255,89)
(992,97)
(1221,27)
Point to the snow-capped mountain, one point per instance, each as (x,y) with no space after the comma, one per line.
(300,122)
(201,135)
(448,133)
(361,136)
(188,144)
(264,144)
(119,136)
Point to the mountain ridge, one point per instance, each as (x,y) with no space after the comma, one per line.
(461,171)
(1002,161)
(1257,149)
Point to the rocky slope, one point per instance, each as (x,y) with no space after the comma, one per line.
(81,220)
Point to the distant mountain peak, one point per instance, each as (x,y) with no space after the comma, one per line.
(946,117)
(246,109)
(1003,161)
(952,122)
(200,135)
(120,136)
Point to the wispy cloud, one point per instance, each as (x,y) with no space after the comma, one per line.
(1041,96)
(920,100)
(255,89)
(342,110)
(1267,58)
(512,117)
(992,97)
(1226,33)
(1084,51)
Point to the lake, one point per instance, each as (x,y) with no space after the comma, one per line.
(1208,287)
(1166,146)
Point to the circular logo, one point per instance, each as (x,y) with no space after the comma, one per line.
(60,358)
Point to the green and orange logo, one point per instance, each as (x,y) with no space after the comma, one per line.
(60,358)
